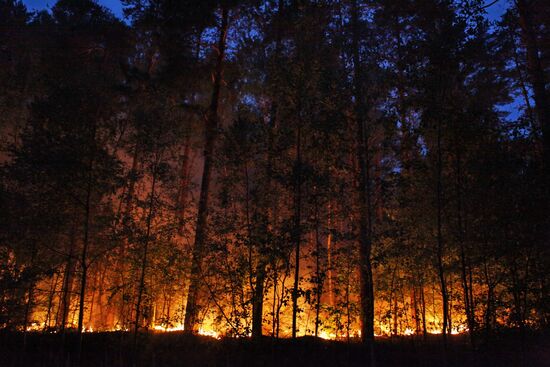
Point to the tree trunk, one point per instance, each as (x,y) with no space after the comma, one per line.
(464,263)
(319,277)
(439,239)
(65,301)
(191,308)
(329,257)
(84,254)
(258,302)
(141,287)
(297,228)
(365,205)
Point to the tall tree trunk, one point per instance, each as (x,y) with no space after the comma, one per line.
(329,257)
(319,277)
(258,302)
(257,307)
(124,215)
(297,231)
(439,239)
(141,287)
(191,308)
(85,244)
(415,311)
(65,301)
(464,263)
(51,295)
(364,188)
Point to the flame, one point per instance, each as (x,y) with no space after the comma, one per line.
(326,335)
(205,331)
(210,333)
(397,323)
(168,328)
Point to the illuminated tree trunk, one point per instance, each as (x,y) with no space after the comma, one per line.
(274,304)
(439,236)
(124,214)
(297,227)
(365,196)
(51,295)
(257,308)
(464,263)
(258,302)
(85,244)
(319,276)
(65,301)
(416,316)
(141,287)
(329,257)
(191,308)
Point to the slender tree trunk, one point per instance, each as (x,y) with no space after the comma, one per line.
(297,228)
(51,295)
(191,308)
(319,277)
(439,239)
(84,254)
(365,206)
(258,302)
(329,257)
(416,316)
(464,264)
(274,305)
(124,215)
(144,256)
(65,301)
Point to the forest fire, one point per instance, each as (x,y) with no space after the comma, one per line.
(274,183)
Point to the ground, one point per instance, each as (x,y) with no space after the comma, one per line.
(115,349)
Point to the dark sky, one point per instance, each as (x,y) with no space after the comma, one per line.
(494,11)
(114,5)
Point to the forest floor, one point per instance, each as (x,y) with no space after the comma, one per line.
(115,349)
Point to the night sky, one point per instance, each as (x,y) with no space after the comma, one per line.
(114,5)
(493,11)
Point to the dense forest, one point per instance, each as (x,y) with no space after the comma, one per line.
(243,168)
